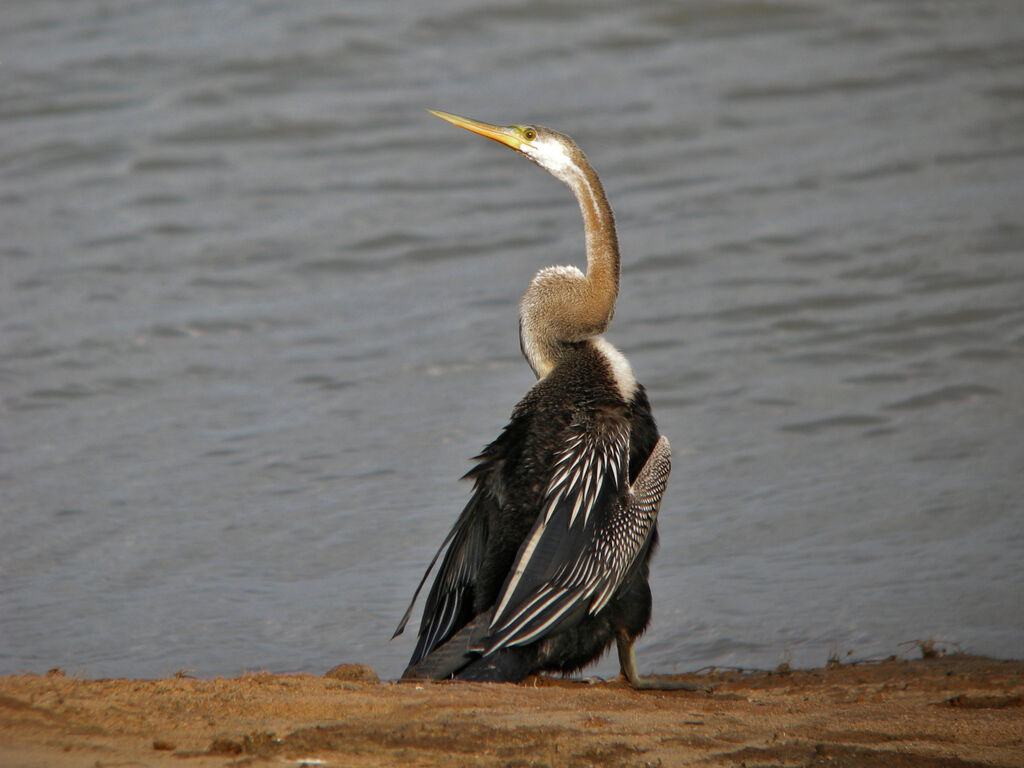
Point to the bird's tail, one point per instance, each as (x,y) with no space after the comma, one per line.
(461,658)
(448,659)
(508,665)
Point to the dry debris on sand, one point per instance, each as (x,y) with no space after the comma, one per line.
(949,712)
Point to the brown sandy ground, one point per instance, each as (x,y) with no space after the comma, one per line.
(952,712)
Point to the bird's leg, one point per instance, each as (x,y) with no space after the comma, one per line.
(627,660)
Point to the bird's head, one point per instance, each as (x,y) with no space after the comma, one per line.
(554,152)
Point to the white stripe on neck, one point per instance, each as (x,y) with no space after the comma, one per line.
(622,371)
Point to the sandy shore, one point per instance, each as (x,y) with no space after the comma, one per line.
(952,711)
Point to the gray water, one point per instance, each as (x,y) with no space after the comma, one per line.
(258,309)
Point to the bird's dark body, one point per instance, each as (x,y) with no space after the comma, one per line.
(510,479)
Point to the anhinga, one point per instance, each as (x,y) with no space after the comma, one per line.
(548,563)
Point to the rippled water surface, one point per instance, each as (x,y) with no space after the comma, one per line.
(258,309)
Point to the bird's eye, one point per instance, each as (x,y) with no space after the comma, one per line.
(529,134)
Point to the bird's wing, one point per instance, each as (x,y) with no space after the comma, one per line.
(450,601)
(449,604)
(592,526)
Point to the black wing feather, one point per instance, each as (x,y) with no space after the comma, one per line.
(450,600)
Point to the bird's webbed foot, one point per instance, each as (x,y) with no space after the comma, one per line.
(627,660)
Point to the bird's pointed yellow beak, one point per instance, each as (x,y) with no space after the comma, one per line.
(508,136)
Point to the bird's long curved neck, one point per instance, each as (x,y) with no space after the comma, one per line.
(602,242)
(562,306)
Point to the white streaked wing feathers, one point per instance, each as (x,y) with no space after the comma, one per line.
(572,486)
(606,554)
